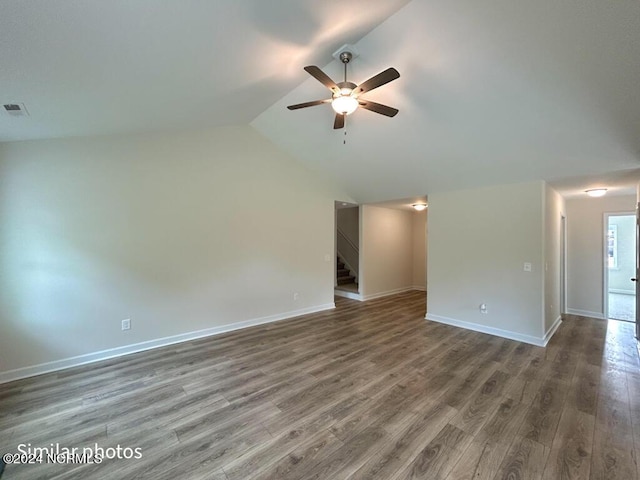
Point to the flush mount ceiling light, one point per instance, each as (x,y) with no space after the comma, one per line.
(419,206)
(596,192)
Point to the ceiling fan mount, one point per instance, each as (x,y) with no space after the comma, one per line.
(346,56)
(345,97)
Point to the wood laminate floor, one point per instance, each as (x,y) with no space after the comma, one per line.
(367,391)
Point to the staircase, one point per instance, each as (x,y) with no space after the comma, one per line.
(345,280)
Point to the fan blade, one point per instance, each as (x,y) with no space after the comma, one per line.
(379,108)
(376,81)
(308,104)
(338,122)
(322,77)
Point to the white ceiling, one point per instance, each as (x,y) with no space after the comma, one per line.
(622,182)
(87,67)
(490,92)
(402,203)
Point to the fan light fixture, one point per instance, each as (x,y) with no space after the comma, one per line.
(596,192)
(344,104)
(419,206)
(346,96)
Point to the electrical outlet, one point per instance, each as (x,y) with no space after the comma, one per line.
(126,324)
(527,267)
(295,296)
(483,308)
(327,257)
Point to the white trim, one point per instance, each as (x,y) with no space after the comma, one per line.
(484,329)
(586,313)
(605,267)
(621,291)
(363,298)
(76,361)
(552,330)
(563,263)
(388,292)
(346,294)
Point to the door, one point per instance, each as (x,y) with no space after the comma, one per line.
(636,279)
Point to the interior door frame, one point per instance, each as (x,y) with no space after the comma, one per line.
(563,264)
(638,270)
(605,266)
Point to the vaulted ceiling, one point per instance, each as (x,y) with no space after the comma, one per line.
(91,67)
(490,92)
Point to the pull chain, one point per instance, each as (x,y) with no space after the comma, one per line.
(344,141)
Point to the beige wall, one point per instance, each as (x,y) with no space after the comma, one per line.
(178,232)
(554,209)
(585,250)
(419,260)
(386,251)
(479,240)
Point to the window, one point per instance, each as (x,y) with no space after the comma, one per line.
(612,246)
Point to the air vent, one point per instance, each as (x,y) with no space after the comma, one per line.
(15,109)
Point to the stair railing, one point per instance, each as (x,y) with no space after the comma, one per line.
(348,252)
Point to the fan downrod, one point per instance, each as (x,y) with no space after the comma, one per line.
(345,58)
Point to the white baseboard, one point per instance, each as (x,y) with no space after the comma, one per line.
(362,298)
(76,361)
(585,313)
(538,341)
(622,292)
(345,294)
(552,330)
(389,292)
(420,288)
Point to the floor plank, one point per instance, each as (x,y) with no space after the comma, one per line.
(369,390)
(436,460)
(570,456)
(525,459)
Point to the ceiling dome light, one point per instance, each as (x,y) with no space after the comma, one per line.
(596,192)
(419,206)
(344,104)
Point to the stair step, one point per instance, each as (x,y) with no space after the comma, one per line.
(343,272)
(343,280)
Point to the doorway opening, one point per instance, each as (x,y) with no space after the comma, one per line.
(620,266)
(347,242)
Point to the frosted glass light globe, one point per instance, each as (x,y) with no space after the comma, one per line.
(344,105)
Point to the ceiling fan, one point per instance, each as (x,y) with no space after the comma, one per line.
(346,95)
